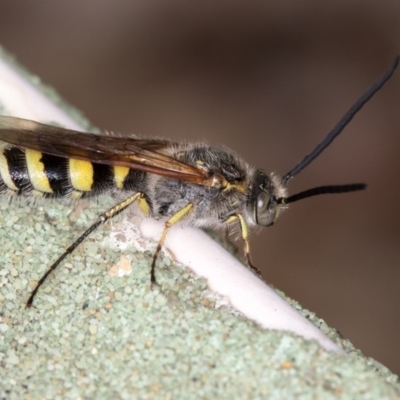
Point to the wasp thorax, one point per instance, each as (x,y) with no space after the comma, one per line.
(266,191)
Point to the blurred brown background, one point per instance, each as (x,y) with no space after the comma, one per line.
(268,79)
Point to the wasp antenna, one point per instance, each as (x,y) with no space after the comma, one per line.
(353,187)
(347,117)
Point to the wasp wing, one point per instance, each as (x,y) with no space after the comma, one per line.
(147,155)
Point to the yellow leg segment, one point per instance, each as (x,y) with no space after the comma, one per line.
(144,206)
(245,236)
(172,221)
(121,206)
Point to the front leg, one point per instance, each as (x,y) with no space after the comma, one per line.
(245,236)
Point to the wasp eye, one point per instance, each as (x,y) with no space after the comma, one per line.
(261,202)
(265,210)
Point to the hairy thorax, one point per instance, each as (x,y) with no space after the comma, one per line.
(213,205)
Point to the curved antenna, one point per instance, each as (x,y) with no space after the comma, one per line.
(347,117)
(353,187)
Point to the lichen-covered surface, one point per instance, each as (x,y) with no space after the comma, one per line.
(98,331)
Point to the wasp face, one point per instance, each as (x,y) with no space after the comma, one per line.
(263,200)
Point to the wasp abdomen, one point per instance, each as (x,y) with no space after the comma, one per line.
(33,173)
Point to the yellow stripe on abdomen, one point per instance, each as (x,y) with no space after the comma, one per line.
(81,174)
(120,174)
(36,171)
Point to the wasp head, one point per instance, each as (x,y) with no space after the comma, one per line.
(265,198)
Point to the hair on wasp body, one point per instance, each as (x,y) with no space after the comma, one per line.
(185,183)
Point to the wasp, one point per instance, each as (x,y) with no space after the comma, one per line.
(180,183)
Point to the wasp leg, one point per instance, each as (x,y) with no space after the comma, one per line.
(172,221)
(245,236)
(112,212)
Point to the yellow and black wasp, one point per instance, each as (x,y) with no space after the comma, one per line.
(194,184)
